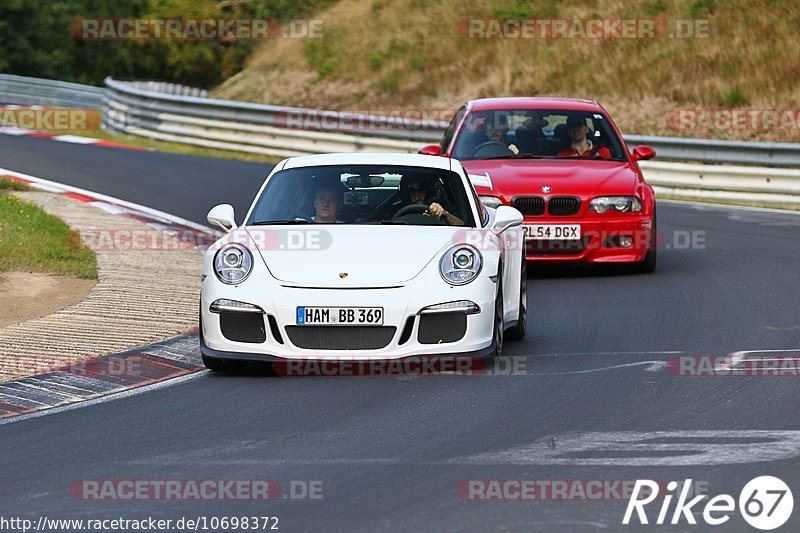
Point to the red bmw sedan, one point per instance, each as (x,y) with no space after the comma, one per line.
(562,163)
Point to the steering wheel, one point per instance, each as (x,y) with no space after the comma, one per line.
(413,209)
(491,148)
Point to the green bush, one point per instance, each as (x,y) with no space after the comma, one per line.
(735,97)
(389,82)
(321,53)
(35,41)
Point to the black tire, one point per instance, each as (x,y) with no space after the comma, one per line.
(517,333)
(499,330)
(648,264)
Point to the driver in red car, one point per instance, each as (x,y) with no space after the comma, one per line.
(416,191)
(580,145)
(496,130)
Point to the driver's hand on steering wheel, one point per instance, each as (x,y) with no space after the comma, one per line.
(436,210)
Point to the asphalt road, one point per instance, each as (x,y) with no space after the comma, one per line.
(589,389)
(183,185)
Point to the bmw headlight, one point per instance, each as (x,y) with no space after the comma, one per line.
(491,201)
(616,204)
(460,264)
(233,263)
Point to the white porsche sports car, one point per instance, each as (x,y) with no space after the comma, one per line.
(363,257)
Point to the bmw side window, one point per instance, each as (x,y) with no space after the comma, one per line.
(604,136)
(451,128)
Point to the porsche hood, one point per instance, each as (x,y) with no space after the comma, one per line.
(350,256)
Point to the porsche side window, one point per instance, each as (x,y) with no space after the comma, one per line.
(483,214)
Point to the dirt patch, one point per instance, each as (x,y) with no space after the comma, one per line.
(25,295)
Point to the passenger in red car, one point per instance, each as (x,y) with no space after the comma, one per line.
(580,145)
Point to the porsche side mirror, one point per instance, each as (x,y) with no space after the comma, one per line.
(222,216)
(642,152)
(506,217)
(431,149)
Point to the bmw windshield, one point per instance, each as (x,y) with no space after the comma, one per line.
(537,134)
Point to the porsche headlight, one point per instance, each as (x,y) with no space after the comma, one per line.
(460,265)
(616,204)
(233,263)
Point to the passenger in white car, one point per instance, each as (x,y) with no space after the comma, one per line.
(327,203)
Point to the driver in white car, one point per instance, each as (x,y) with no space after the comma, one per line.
(416,191)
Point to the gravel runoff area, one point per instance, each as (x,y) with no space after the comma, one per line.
(141,295)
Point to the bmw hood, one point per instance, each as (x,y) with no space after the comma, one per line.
(349,256)
(563,176)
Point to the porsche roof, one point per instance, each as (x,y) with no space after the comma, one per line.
(369,158)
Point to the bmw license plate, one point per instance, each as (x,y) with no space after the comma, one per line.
(339,316)
(568,232)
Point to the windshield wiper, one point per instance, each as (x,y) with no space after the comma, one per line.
(398,222)
(590,157)
(286,222)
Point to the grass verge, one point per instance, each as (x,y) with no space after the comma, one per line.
(33,241)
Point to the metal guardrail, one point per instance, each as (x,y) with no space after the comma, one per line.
(237,126)
(758,186)
(169,88)
(721,152)
(180,114)
(185,114)
(256,128)
(35,91)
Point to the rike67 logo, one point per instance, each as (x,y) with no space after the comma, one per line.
(765,503)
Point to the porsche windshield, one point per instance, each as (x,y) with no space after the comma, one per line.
(537,134)
(358,194)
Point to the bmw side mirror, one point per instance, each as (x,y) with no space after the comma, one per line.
(506,217)
(222,216)
(431,149)
(642,152)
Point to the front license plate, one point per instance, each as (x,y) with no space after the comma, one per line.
(552,231)
(339,316)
